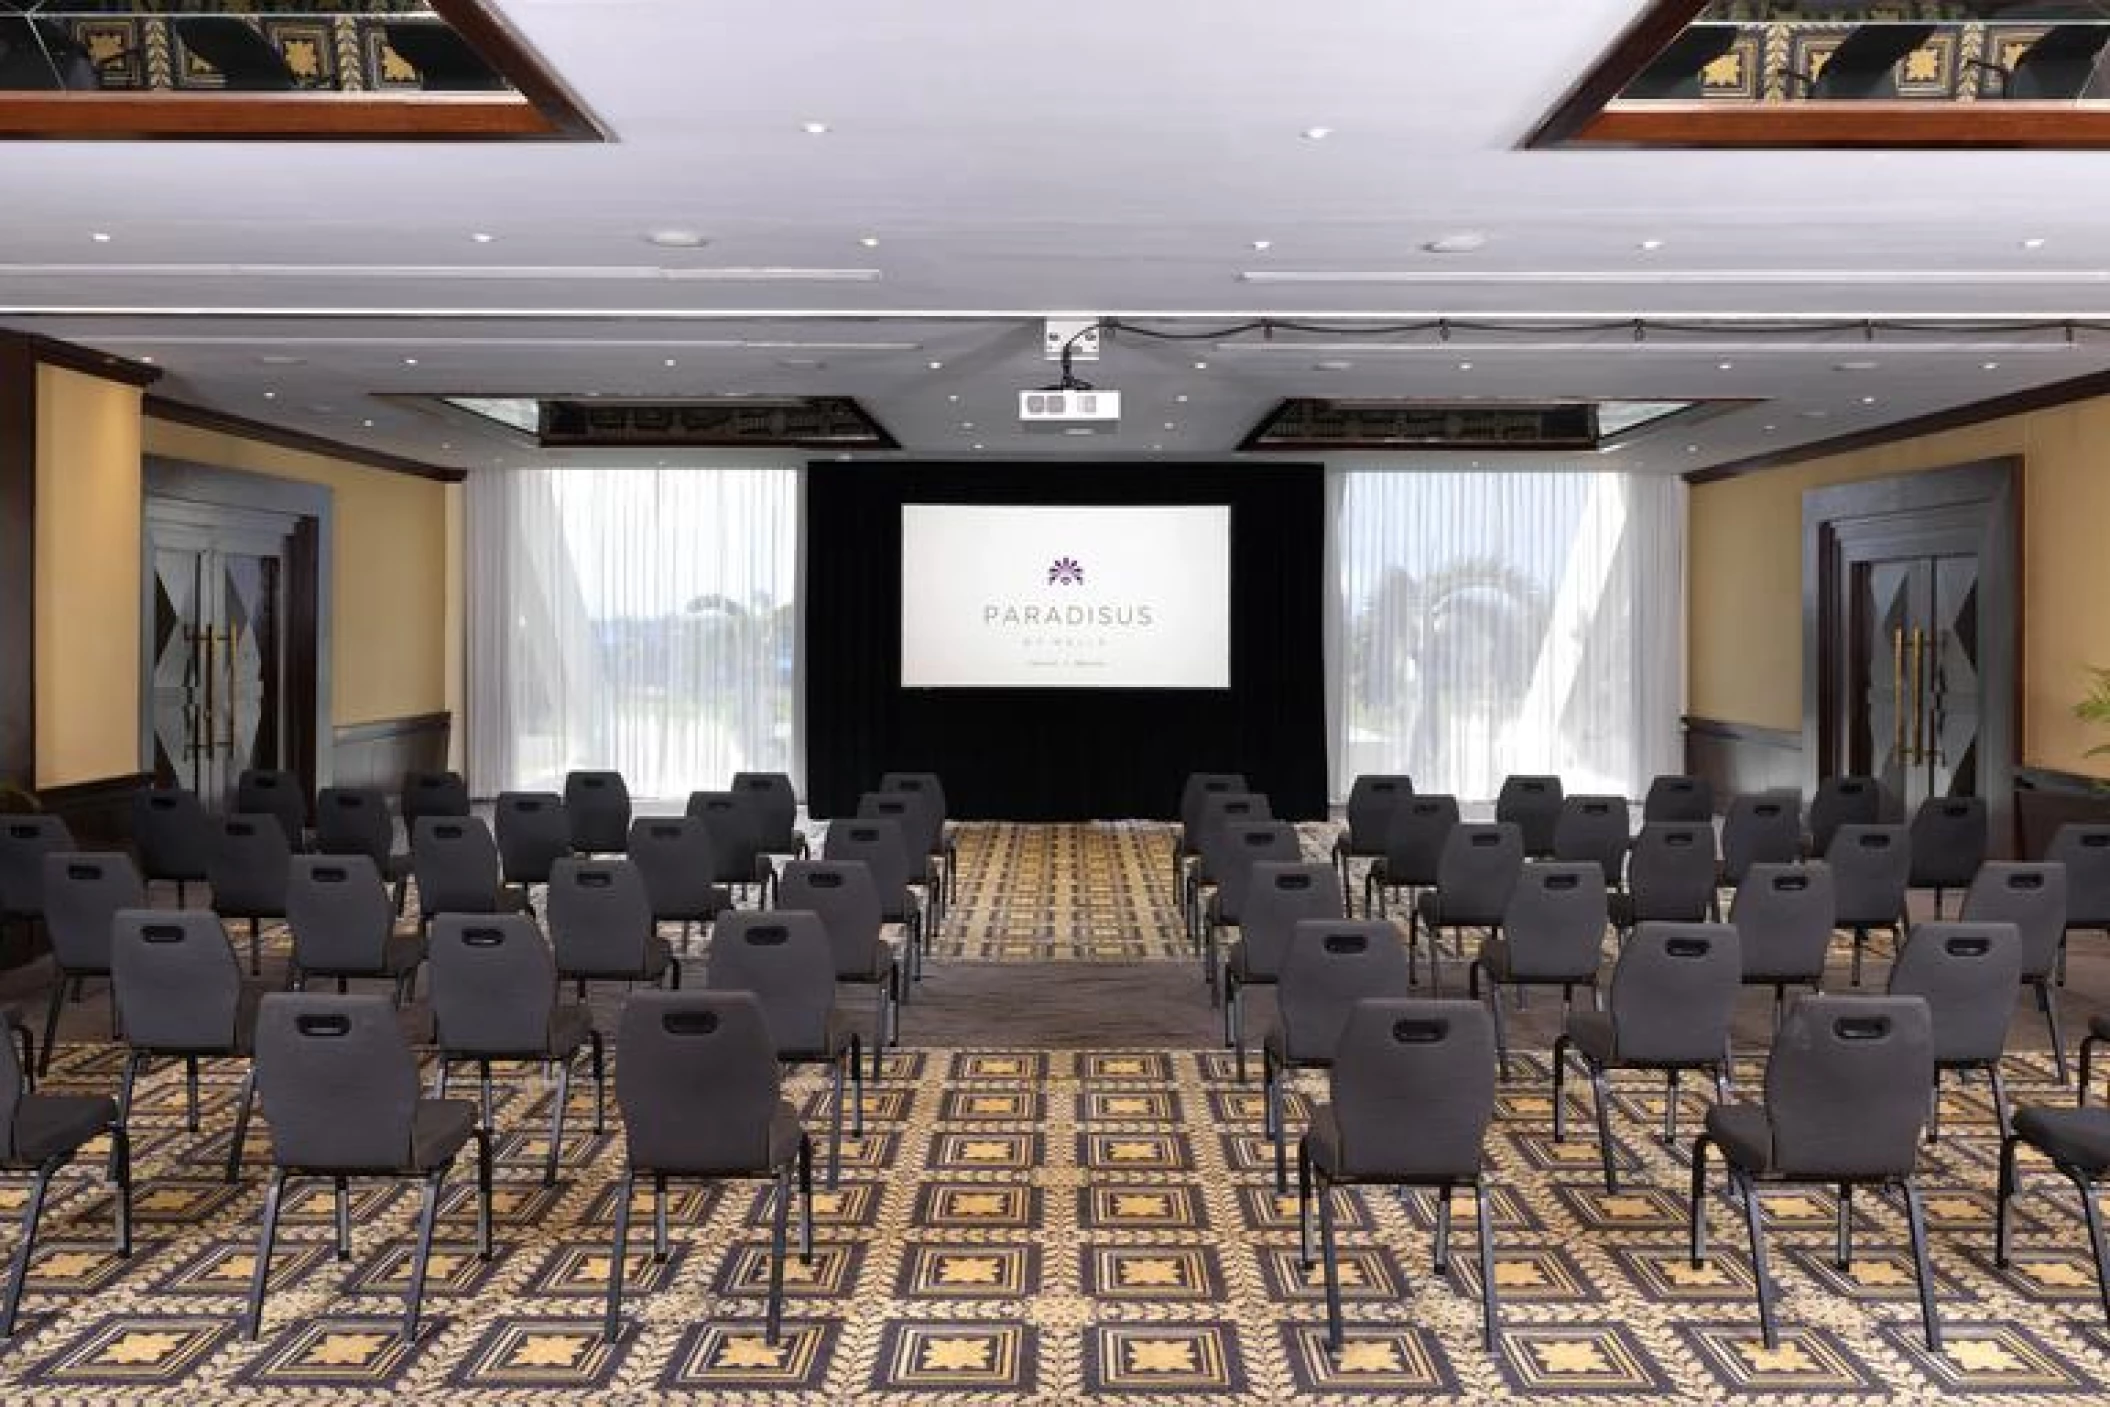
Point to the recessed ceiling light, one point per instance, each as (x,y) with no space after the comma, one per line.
(1855,366)
(937,366)
(1465,366)
(148,360)
(954,398)
(670,362)
(1181,398)
(483,236)
(978,444)
(1332,366)
(1650,246)
(410,361)
(270,395)
(100,236)
(1990,366)
(2033,242)
(814,129)
(1159,449)
(1262,246)
(1201,366)
(1725,366)
(446,444)
(1317,134)
(1460,242)
(869,241)
(367,423)
(676,239)
(1172,425)
(1813,414)
(1692,449)
(966,424)
(1769,429)
(1868,400)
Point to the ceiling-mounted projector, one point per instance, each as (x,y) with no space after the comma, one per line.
(1059,409)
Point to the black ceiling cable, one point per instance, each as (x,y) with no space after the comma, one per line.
(1866,330)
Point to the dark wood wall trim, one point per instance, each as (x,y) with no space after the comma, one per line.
(52,352)
(99,812)
(18,562)
(2046,799)
(505,50)
(1738,758)
(228,423)
(2035,398)
(378,754)
(1642,40)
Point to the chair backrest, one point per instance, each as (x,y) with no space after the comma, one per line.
(340,913)
(175,978)
(1555,921)
(736,831)
(1761,829)
(1870,868)
(1848,1086)
(83,891)
(1672,993)
(698,1083)
(1784,916)
(1478,872)
(1967,974)
(1593,829)
(247,866)
(433,794)
(270,791)
(1371,798)
(1329,967)
(494,983)
(600,918)
(171,833)
(1949,838)
(879,845)
(1421,828)
(922,827)
(1843,801)
(1218,810)
(1243,846)
(776,808)
(1671,871)
(677,859)
(928,784)
(784,958)
(1278,896)
(1533,806)
(455,861)
(2030,896)
(1413,1088)
(598,804)
(842,893)
(534,831)
(1198,786)
(24,842)
(1678,798)
(338,1081)
(2085,852)
(354,821)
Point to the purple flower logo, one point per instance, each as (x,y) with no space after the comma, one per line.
(1066,571)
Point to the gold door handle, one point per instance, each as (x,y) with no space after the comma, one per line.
(1919,695)
(1897,691)
(207,639)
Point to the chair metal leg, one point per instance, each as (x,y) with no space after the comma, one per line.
(857,1086)
(1603,1095)
(484,1208)
(29,1056)
(267,1230)
(1916,1220)
(556,1120)
(31,1213)
(2004,1193)
(1843,1251)
(659,1217)
(1999,1097)
(135,1061)
(774,1322)
(1697,1250)
(1303,1205)
(343,1189)
(1441,1260)
(1229,983)
(1560,1082)
(1670,1107)
(805,1199)
(1276,1120)
(2080,1096)
(612,1328)
(835,1127)
(600,1081)
(1754,1222)
(51,1023)
(1333,1268)
(121,1155)
(190,1093)
(428,1215)
(1490,1303)
(256,949)
(2049,1000)
(1860,943)
(483,1076)
(242,1106)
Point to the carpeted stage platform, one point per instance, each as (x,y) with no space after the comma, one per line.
(1063,1193)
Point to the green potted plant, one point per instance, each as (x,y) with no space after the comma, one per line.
(2094,706)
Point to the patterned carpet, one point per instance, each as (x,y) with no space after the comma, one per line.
(1035,1226)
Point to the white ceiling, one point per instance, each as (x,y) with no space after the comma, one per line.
(1102,157)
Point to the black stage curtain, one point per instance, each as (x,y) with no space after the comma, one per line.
(1065,754)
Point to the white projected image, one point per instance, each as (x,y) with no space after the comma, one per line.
(1065,597)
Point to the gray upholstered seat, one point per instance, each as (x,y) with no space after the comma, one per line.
(1842,801)
(1674,797)
(171,834)
(456,864)
(1870,867)
(1764,828)
(355,821)
(677,860)
(1414,845)
(776,807)
(1475,877)
(1241,847)
(1594,829)
(2078,1143)
(879,845)
(275,792)
(248,864)
(533,831)
(1950,835)
(1552,935)
(1187,840)
(1371,798)
(1218,811)
(1670,875)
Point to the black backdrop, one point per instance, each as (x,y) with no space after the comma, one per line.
(1064,754)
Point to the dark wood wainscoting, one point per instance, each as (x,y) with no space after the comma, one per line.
(99,813)
(2046,800)
(378,754)
(1742,757)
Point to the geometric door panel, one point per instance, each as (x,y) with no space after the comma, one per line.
(1956,690)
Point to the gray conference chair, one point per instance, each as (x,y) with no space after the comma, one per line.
(275,792)
(1678,798)
(1218,810)
(355,821)
(2077,1141)
(182,995)
(1551,935)
(40,1134)
(1475,878)
(1760,829)
(1594,829)
(172,835)
(1672,995)
(702,1097)
(1412,1092)
(932,786)
(1241,847)
(922,836)
(734,819)
(841,893)
(2033,898)
(495,997)
(432,794)
(1328,968)
(1967,974)
(1533,806)
(1843,801)
(457,868)
(1421,827)
(344,926)
(878,846)
(83,891)
(674,855)
(533,830)
(1371,798)
(340,1091)
(1671,873)
(598,805)
(1870,867)
(1278,897)
(776,806)
(1784,916)
(2085,852)
(24,842)
(1186,841)
(1949,839)
(1846,1094)
(248,864)
(600,924)
(783,957)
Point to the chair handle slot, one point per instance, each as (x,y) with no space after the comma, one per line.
(329,874)
(767,935)
(1560,882)
(824,879)
(1293,881)
(1790,883)
(1861,1028)
(595,879)
(1967,947)
(2025,881)
(1345,943)
(1688,947)
(483,937)
(325,1024)
(1417,1030)
(84,872)
(162,933)
(689,1023)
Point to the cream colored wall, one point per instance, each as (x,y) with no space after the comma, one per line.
(87,578)
(391,638)
(1745,574)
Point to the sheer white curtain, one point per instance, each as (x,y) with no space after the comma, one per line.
(1488,623)
(639,619)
